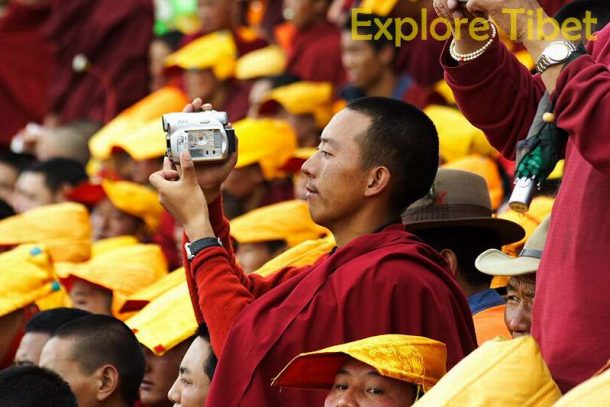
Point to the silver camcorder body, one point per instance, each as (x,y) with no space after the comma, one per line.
(207,135)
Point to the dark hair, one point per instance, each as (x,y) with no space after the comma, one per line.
(285,79)
(5,210)
(403,139)
(372,29)
(34,386)
(51,320)
(103,340)
(171,38)
(467,243)
(60,171)
(599,9)
(209,366)
(17,161)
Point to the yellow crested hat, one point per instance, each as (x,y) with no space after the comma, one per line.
(268,61)
(216,51)
(112,243)
(500,373)
(166,322)
(145,142)
(303,254)
(487,168)
(136,200)
(288,221)
(143,297)
(315,98)
(268,142)
(412,359)
(165,100)
(63,228)
(457,137)
(26,276)
(380,7)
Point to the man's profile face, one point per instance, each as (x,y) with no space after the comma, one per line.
(160,374)
(200,84)
(520,300)
(30,348)
(360,385)
(109,221)
(31,192)
(336,180)
(362,64)
(89,297)
(192,385)
(57,356)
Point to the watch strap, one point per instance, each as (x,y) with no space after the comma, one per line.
(544,62)
(193,248)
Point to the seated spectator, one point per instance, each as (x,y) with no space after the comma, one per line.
(26,275)
(100,358)
(456,219)
(33,386)
(196,372)
(385,370)
(11,166)
(266,232)
(522,284)
(39,330)
(165,328)
(47,183)
(515,366)
(92,287)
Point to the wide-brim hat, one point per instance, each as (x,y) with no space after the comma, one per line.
(459,199)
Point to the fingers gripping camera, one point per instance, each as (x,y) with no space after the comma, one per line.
(207,135)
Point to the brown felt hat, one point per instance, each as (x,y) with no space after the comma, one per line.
(459,199)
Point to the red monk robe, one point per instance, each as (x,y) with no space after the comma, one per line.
(25,71)
(114,36)
(571,315)
(386,282)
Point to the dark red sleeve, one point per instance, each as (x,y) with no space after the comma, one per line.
(496,93)
(219,288)
(583,106)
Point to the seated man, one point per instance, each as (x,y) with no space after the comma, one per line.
(385,370)
(33,386)
(522,284)
(376,157)
(196,372)
(39,330)
(100,358)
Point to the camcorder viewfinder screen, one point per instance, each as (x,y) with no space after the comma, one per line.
(203,143)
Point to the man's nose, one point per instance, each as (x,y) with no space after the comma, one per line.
(347,399)
(520,322)
(308,166)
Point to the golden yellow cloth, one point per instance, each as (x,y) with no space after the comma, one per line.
(135,199)
(315,98)
(498,373)
(143,297)
(593,392)
(380,7)
(268,61)
(413,359)
(106,245)
(540,208)
(303,254)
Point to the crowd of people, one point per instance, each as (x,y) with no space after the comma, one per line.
(413,212)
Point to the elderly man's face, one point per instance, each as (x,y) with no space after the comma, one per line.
(192,386)
(360,385)
(520,300)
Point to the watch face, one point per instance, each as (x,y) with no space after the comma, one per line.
(557,52)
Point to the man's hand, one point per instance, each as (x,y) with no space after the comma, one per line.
(509,15)
(181,195)
(211,175)
(460,20)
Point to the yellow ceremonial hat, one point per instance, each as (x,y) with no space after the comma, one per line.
(499,373)
(135,199)
(26,276)
(268,61)
(165,100)
(487,168)
(303,254)
(593,392)
(145,142)
(442,88)
(216,51)
(166,322)
(112,243)
(412,359)
(380,7)
(288,221)
(539,209)
(123,271)
(457,137)
(143,297)
(63,228)
(268,142)
(315,98)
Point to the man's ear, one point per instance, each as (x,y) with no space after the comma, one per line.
(107,382)
(451,259)
(378,181)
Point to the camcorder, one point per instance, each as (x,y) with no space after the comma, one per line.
(207,135)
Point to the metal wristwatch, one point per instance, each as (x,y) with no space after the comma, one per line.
(557,52)
(193,248)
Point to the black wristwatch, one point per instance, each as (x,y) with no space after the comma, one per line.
(193,248)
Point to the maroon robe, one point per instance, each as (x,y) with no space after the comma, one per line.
(571,315)
(114,36)
(25,71)
(381,283)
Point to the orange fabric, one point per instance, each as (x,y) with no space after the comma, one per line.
(489,323)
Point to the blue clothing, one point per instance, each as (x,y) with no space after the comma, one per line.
(484,299)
